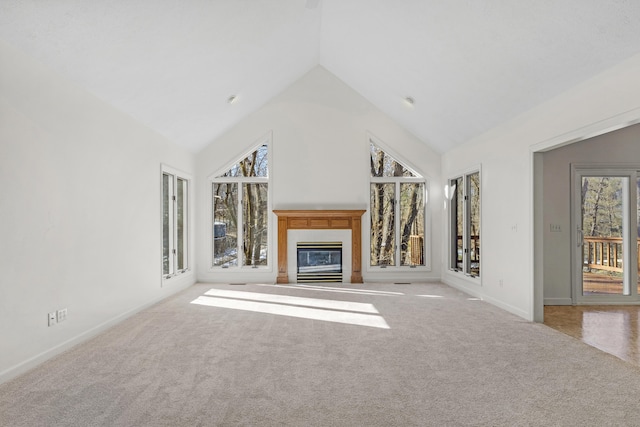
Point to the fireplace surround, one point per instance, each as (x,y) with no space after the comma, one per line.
(319,220)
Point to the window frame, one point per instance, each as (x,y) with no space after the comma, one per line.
(174,176)
(452,238)
(216,178)
(419,178)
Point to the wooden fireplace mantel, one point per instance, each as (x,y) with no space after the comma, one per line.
(323,220)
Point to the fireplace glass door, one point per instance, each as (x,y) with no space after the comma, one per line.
(319,262)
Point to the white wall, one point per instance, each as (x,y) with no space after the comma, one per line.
(622,147)
(80,212)
(320,160)
(505,154)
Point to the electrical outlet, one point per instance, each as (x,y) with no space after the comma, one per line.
(62,315)
(52,318)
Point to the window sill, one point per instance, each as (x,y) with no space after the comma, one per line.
(174,277)
(245,269)
(467,278)
(396,269)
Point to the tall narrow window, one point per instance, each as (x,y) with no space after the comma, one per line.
(241,214)
(175,192)
(397,211)
(464,223)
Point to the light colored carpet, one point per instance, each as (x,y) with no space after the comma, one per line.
(446,360)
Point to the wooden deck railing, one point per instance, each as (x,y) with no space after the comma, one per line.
(416,245)
(605,253)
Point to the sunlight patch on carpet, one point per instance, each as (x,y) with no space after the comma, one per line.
(291,300)
(305,308)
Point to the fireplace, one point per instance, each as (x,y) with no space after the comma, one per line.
(315,220)
(319,262)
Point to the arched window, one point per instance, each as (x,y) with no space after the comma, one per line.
(241,212)
(397,212)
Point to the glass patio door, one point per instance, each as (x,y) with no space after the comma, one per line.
(606,226)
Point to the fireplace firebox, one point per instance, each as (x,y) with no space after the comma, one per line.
(319,262)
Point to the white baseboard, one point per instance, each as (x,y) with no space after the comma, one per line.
(29,364)
(369,279)
(511,309)
(558,301)
(476,292)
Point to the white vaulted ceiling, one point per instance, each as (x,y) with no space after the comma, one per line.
(470,65)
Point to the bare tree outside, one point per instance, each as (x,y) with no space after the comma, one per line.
(602,206)
(412,223)
(255,224)
(382,224)
(225,224)
(602,225)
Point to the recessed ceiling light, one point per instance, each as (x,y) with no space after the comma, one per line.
(232,99)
